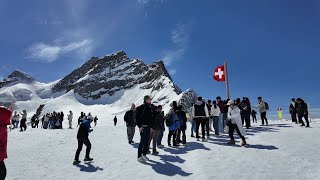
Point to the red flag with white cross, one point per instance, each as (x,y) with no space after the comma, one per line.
(219,74)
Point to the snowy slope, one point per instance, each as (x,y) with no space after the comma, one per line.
(280,151)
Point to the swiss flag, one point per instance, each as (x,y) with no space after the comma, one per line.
(219,74)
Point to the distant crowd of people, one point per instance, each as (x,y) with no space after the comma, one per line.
(52,120)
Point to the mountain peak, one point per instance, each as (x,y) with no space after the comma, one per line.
(15,77)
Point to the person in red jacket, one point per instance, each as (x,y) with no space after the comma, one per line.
(5,115)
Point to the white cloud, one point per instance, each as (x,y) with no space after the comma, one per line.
(48,53)
(172,71)
(180,37)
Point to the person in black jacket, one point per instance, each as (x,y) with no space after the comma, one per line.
(183,127)
(293,111)
(156,126)
(144,119)
(301,109)
(130,119)
(115,120)
(83,138)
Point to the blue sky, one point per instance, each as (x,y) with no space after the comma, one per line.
(272,46)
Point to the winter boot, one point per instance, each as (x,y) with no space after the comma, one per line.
(155,153)
(88,159)
(232,141)
(76,162)
(141,160)
(244,142)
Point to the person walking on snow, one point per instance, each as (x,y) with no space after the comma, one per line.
(115,120)
(235,123)
(215,112)
(95,120)
(144,119)
(262,110)
(70,117)
(130,120)
(200,114)
(83,138)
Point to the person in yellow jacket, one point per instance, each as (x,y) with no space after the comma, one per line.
(280,113)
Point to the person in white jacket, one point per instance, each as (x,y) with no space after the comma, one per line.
(200,113)
(215,112)
(70,117)
(235,123)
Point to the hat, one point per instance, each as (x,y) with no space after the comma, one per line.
(230,102)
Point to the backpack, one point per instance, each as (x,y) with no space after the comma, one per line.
(266,105)
(169,121)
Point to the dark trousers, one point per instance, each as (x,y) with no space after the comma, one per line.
(207,126)
(300,116)
(216,124)
(86,142)
(144,142)
(172,134)
(160,136)
(115,123)
(264,118)
(254,117)
(184,137)
(3,171)
(233,127)
(23,125)
(202,122)
(294,117)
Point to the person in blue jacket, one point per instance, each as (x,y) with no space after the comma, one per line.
(173,123)
(83,138)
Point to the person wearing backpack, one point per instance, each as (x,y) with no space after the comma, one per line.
(200,114)
(262,108)
(173,123)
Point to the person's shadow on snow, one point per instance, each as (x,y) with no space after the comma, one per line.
(168,169)
(88,167)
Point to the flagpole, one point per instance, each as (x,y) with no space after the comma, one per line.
(227,79)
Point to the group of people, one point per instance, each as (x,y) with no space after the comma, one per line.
(213,116)
(299,110)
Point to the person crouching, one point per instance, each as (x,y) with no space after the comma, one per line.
(235,123)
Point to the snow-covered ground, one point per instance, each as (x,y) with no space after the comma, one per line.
(280,151)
